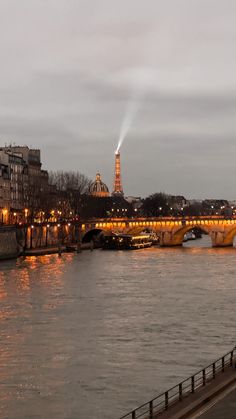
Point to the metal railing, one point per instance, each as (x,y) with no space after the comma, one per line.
(165,400)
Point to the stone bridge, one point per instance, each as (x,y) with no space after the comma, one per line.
(170,230)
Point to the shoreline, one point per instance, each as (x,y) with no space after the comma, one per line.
(50,250)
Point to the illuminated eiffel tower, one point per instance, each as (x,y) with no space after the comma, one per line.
(117,188)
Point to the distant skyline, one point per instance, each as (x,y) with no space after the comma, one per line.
(69,69)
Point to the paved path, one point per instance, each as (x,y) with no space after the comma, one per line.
(54,249)
(223,407)
(219,394)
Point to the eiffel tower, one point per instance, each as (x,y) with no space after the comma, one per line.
(117,188)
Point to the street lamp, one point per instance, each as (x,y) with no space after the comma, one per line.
(4,215)
(26,214)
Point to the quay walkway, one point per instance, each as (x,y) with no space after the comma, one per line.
(49,250)
(208,394)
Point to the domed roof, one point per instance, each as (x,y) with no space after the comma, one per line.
(99,188)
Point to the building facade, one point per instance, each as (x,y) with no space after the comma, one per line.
(22,182)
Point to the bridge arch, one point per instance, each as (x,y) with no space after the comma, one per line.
(230,235)
(175,236)
(179,234)
(91,234)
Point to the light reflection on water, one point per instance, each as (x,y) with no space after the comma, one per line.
(96,334)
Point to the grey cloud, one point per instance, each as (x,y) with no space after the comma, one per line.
(68,69)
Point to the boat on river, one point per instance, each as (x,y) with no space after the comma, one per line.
(127,242)
(189,236)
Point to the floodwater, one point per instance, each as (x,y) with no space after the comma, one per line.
(95,334)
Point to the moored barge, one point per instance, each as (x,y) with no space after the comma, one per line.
(127,242)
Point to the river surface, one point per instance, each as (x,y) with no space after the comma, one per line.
(95,334)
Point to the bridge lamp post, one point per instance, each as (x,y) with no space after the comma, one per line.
(5,216)
(26,211)
(212,208)
(160,209)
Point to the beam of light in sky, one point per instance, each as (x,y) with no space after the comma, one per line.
(141,80)
(128,120)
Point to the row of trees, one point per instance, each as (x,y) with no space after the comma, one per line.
(65,195)
(161,204)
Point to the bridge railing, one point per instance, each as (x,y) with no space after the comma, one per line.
(177,393)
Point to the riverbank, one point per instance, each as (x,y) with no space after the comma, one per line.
(8,243)
(50,250)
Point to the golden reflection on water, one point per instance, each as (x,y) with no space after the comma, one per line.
(25,286)
(51,314)
(49,268)
(3,292)
(23,280)
(19,277)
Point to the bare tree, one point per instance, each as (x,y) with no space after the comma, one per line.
(71,187)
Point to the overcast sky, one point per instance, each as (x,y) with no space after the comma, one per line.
(69,69)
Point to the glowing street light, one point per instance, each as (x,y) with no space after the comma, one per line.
(26,211)
(4,214)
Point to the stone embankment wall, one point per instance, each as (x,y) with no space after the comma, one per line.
(9,248)
(45,236)
(14,240)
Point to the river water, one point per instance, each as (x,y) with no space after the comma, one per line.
(95,334)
